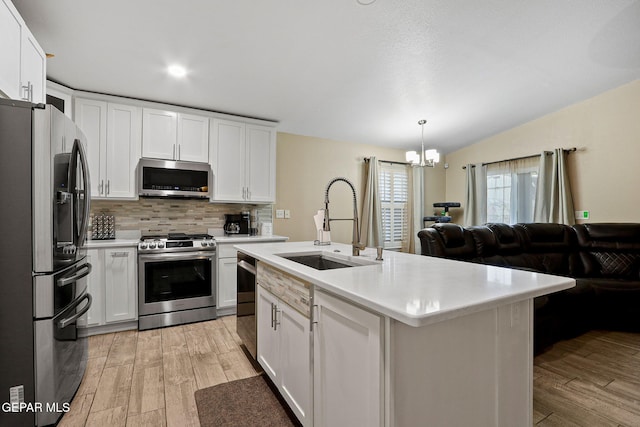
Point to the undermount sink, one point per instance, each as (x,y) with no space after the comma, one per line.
(324,260)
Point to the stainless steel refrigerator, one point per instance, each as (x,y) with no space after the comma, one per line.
(44,212)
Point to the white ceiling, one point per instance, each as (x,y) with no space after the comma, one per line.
(340,70)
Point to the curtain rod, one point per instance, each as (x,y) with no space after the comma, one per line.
(366,159)
(567,150)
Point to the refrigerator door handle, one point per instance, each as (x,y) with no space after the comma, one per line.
(78,152)
(69,320)
(82,271)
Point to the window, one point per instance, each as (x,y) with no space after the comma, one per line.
(393,183)
(511,191)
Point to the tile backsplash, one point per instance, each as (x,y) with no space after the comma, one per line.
(158,216)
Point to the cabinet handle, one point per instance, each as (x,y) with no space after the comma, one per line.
(174,152)
(26,89)
(101,186)
(30,92)
(275,318)
(273,307)
(178,152)
(108,186)
(119,254)
(313,322)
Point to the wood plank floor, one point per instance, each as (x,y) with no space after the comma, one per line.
(149,378)
(591,380)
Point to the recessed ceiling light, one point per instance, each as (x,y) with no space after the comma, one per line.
(177,71)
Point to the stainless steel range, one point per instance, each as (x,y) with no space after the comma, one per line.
(176,279)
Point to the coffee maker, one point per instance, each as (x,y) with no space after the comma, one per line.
(237,224)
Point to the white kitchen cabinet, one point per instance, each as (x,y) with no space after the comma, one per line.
(120,273)
(23,65)
(193,138)
(227,279)
(175,136)
(33,69)
(95,286)
(113,285)
(113,134)
(243,160)
(284,351)
(347,364)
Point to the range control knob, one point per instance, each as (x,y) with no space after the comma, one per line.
(160,245)
(143,246)
(152,245)
(204,243)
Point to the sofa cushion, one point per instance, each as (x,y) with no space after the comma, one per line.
(447,240)
(609,250)
(549,248)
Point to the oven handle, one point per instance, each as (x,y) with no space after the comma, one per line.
(82,271)
(66,322)
(176,256)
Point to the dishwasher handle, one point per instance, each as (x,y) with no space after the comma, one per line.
(247,266)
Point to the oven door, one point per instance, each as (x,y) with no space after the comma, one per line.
(176,281)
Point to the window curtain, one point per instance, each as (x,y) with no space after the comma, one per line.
(475,211)
(371,221)
(554,202)
(417,175)
(409,239)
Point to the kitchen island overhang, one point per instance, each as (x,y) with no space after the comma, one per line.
(412,289)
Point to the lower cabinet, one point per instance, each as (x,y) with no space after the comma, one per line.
(227,282)
(347,364)
(284,351)
(113,285)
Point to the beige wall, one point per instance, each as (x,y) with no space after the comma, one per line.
(604,172)
(305,165)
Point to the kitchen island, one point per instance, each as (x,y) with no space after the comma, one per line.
(409,340)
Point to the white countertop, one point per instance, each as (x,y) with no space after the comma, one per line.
(118,242)
(250,239)
(414,289)
(111,243)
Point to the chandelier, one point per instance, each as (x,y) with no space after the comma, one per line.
(425,157)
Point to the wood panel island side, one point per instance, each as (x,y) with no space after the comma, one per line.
(410,340)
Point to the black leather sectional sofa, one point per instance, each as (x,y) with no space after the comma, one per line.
(604,259)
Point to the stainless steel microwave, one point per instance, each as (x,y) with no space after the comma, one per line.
(168,178)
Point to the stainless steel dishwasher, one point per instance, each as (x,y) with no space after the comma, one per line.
(246,305)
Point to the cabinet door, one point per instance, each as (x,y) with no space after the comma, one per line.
(261,163)
(347,368)
(159,134)
(193,138)
(227,282)
(10,42)
(295,360)
(33,67)
(91,118)
(227,158)
(95,286)
(120,284)
(123,150)
(268,346)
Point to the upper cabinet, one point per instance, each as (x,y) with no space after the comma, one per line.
(23,65)
(175,136)
(243,160)
(113,134)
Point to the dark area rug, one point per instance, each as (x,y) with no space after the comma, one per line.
(246,402)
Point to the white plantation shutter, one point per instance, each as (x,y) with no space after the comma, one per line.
(393,187)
